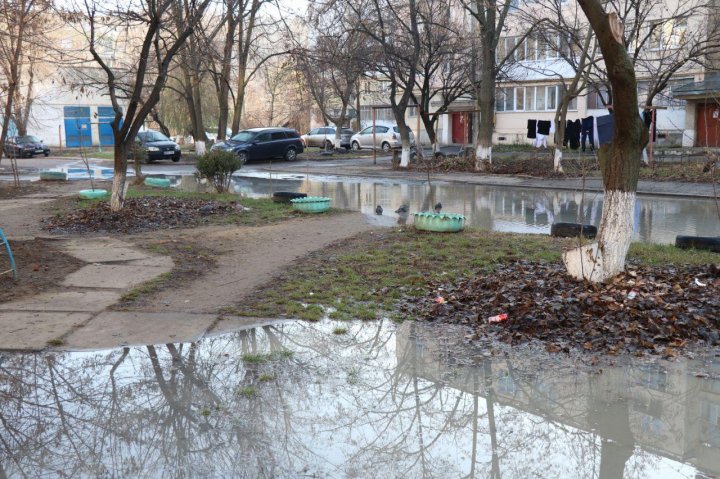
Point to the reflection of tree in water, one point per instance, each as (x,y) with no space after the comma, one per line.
(365,404)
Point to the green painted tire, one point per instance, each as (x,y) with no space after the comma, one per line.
(311,204)
(92,194)
(439,222)
(53,175)
(158,182)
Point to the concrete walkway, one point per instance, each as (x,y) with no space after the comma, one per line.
(75,315)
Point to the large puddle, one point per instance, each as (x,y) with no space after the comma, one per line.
(498,208)
(296,400)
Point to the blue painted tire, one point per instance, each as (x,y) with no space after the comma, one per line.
(53,175)
(311,204)
(92,194)
(439,222)
(158,182)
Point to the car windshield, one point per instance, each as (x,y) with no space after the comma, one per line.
(155,136)
(28,139)
(243,136)
(347,131)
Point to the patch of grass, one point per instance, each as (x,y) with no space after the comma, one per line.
(206,412)
(370,275)
(255,358)
(259,358)
(340,330)
(366,276)
(147,288)
(247,391)
(55,342)
(661,254)
(265,378)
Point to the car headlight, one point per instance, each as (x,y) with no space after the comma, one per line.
(153,148)
(177,148)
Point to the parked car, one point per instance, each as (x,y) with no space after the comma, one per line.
(324,137)
(158,146)
(263,143)
(25,146)
(387,137)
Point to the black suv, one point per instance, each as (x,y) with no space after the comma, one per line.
(264,143)
(158,146)
(25,146)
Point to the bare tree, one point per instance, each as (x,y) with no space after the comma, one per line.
(444,67)
(334,63)
(490,23)
(136,74)
(20,29)
(619,161)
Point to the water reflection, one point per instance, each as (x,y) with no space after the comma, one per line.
(657,219)
(371,403)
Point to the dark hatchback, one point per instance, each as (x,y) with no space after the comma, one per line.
(25,146)
(264,143)
(158,146)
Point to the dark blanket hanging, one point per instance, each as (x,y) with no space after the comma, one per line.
(543,127)
(531,128)
(568,132)
(647,118)
(605,129)
(575,138)
(588,132)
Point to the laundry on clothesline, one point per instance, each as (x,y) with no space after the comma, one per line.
(532,128)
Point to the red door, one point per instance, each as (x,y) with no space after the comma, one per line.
(708,125)
(459,129)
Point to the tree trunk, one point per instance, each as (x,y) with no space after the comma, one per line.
(119,186)
(239,100)
(223,90)
(486,98)
(619,161)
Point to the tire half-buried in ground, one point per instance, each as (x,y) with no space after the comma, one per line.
(572,230)
(709,243)
(286,196)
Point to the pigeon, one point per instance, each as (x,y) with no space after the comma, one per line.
(403,209)
(378,210)
(438,207)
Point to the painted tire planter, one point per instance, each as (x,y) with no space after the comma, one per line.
(440,222)
(311,204)
(159,182)
(53,175)
(573,230)
(709,243)
(92,194)
(286,196)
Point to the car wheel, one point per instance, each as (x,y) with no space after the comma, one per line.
(243,156)
(386,146)
(328,145)
(355,146)
(176,159)
(47,153)
(291,154)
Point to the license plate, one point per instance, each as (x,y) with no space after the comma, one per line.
(169,152)
(39,150)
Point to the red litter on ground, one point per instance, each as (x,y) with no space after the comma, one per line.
(439,300)
(498,319)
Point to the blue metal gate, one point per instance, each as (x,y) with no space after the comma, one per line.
(77,126)
(106,114)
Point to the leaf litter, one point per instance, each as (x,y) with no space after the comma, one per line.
(646,309)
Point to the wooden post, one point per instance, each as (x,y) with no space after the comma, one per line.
(417,127)
(651,161)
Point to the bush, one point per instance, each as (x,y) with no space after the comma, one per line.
(217,167)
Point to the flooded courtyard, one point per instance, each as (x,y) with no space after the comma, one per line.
(353,399)
(658,219)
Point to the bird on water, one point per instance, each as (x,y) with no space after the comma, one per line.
(438,207)
(378,210)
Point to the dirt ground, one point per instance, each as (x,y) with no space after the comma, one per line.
(243,258)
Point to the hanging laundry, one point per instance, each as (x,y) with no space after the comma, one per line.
(575,137)
(588,129)
(568,132)
(531,128)
(543,127)
(605,129)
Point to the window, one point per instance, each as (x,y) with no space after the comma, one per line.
(519,99)
(381,129)
(314,131)
(263,137)
(278,135)
(597,97)
(551,97)
(666,34)
(367,131)
(412,111)
(530,98)
(540,98)
(500,99)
